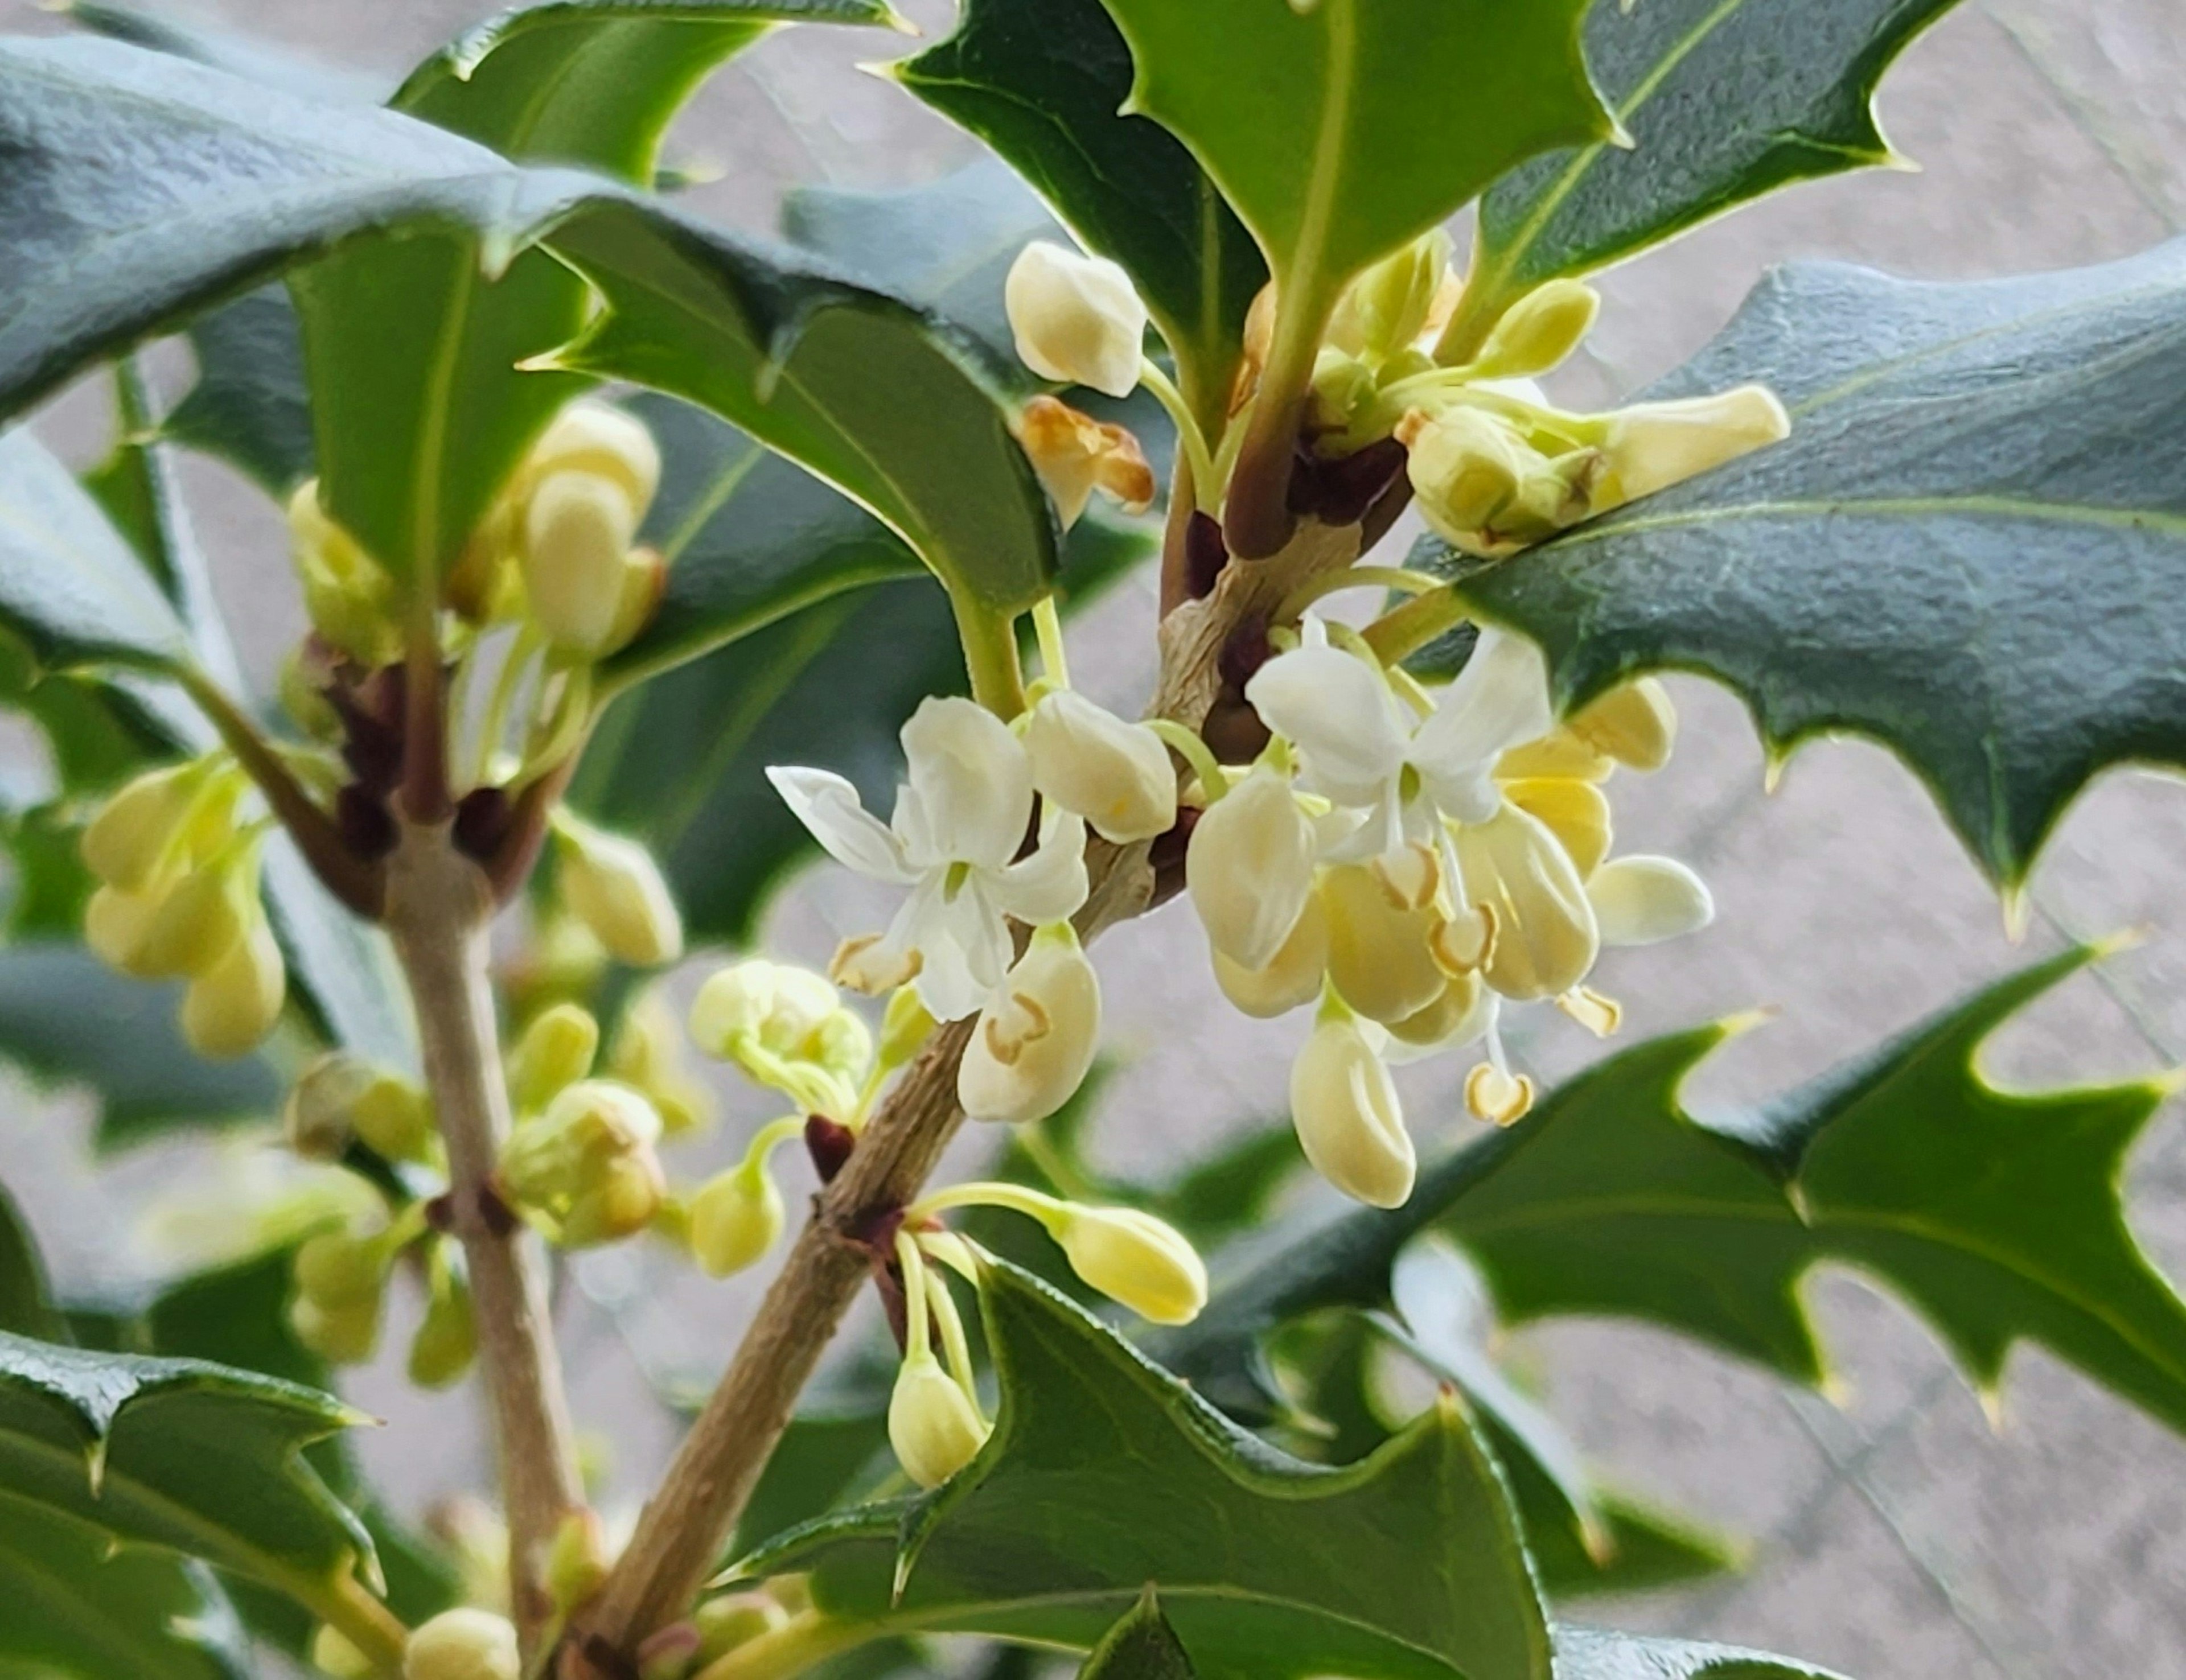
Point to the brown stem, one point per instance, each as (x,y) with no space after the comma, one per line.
(426,797)
(439,905)
(683,1528)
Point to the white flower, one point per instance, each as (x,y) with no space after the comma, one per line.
(1643,900)
(1346,1114)
(960,818)
(1362,750)
(1037,1035)
(1076,318)
(1115,774)
(1653,445)
(1544,938)
(1249,868)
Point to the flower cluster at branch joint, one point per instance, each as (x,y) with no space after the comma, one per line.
(1418,863)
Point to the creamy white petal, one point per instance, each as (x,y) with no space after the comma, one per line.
(964,949)
(1051,884)
(1249,868)
(1643,900)
(1340,715)
(973,780)
(1498,701)
(1546,939)
(828,805)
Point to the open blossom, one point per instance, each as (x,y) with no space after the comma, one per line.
(961,820)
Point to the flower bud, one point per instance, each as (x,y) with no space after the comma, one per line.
(578,533)
(231,1007)
(1115,774)
(1545,939)
(613,886)
(462,1644)
(577,1561)
(933,1424)
(1643,900)
(1653,445)
(736,1217)
(1075,455)
(905,1027)
(555,1051)
(314,1117)
(125,844)
(116,922)
(1385,308)
(1249,868)
(348,597)
(1134,1258)
(1636,723)
(648,1054)
(1466,467)
(588,1163)
(394,1118)
(734,1618)
(1076,318)
(1378,953)
(1035,1038)
(200,918)
(446,1341)
(599,438)
(1292,981)
(1539,331)
(341,1280)
(341,1335)
(333,1655)
(786,1028)
(1348,1115)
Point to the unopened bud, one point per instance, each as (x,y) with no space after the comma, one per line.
(736,1217)
(1385,308)
(648,1054)
(933,1424)
(394,1118)
(198,922)
(613,886)
(1075,455)
(1466,467)
(1115,774)
(588,1163)
(1636,723)
(331,1654)
(1378,952)
(1292,981)
(231,1007)
(340,1282)
(1134,1258)
(348,597)
(1653,445)
(1076,318)
(786,1028)
(1539,331)
(125,842)
(577,1561)
(446,1341)
(1036,1039)
(735,1618)
(905,1027)
(556,1051)
(315,1117)
(462,1644)
(599,438)
(578,534)
(1348,1117)
(1249,868)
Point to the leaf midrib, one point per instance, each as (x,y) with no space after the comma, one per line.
(1986,506)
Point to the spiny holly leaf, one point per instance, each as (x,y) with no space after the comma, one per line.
(1969,549)
(195,1458)
(1997,1215)
(1142,1646)
(75,1607)
(1724,103)
(1043,82)
(1623,1657)
(1339,130)
(1105,1474)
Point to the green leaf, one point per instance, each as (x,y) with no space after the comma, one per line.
(65,1017)
(25,1308)
(1042,82)
(1725,100)
(249,407)
(76,1607)
(1896,568)
(69,587)
(1105,1474)
(195,1458)
(822,1459)
(1341,130)
(1997,1215)
(1142,1646)
(1622,1656)
(238,55)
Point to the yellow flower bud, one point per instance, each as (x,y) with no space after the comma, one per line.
(446,1341)
(125,842)
(314,1117)
(648,1054)
(231,1007)
(1035,1038)
(588,1163)
(1348,1117)
(613,886)
(786,1028)
(1636,723)
(733,1620)
(1466,467)
(1249,868)
(394,1118)
(348,599)
(1385,308)
(577,1561)
(736,1217)
(1134,1258)
(1292,981)
(1378,953)
(595,437)
(200,918)
(341,1280)
(578,534)
(1539,330)
(905,1027)
(1576,812)
(1653,445)
(1545,940)
(933,1424)
(331,1654)
(462,1644)
(1076,318)
(116,922)
(341,1335)
(555,1051)
(622,1198)
(1115,774)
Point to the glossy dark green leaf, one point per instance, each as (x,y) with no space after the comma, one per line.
(824,1457)
(1969,549)
(195,1458)
(1584,1656)
(1341,130)
(1724,101)
(25,1308)
(1142,1646)
(1105,1474)
(1042,82)
(249,407)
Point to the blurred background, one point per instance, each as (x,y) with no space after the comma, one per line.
(1892,1532)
